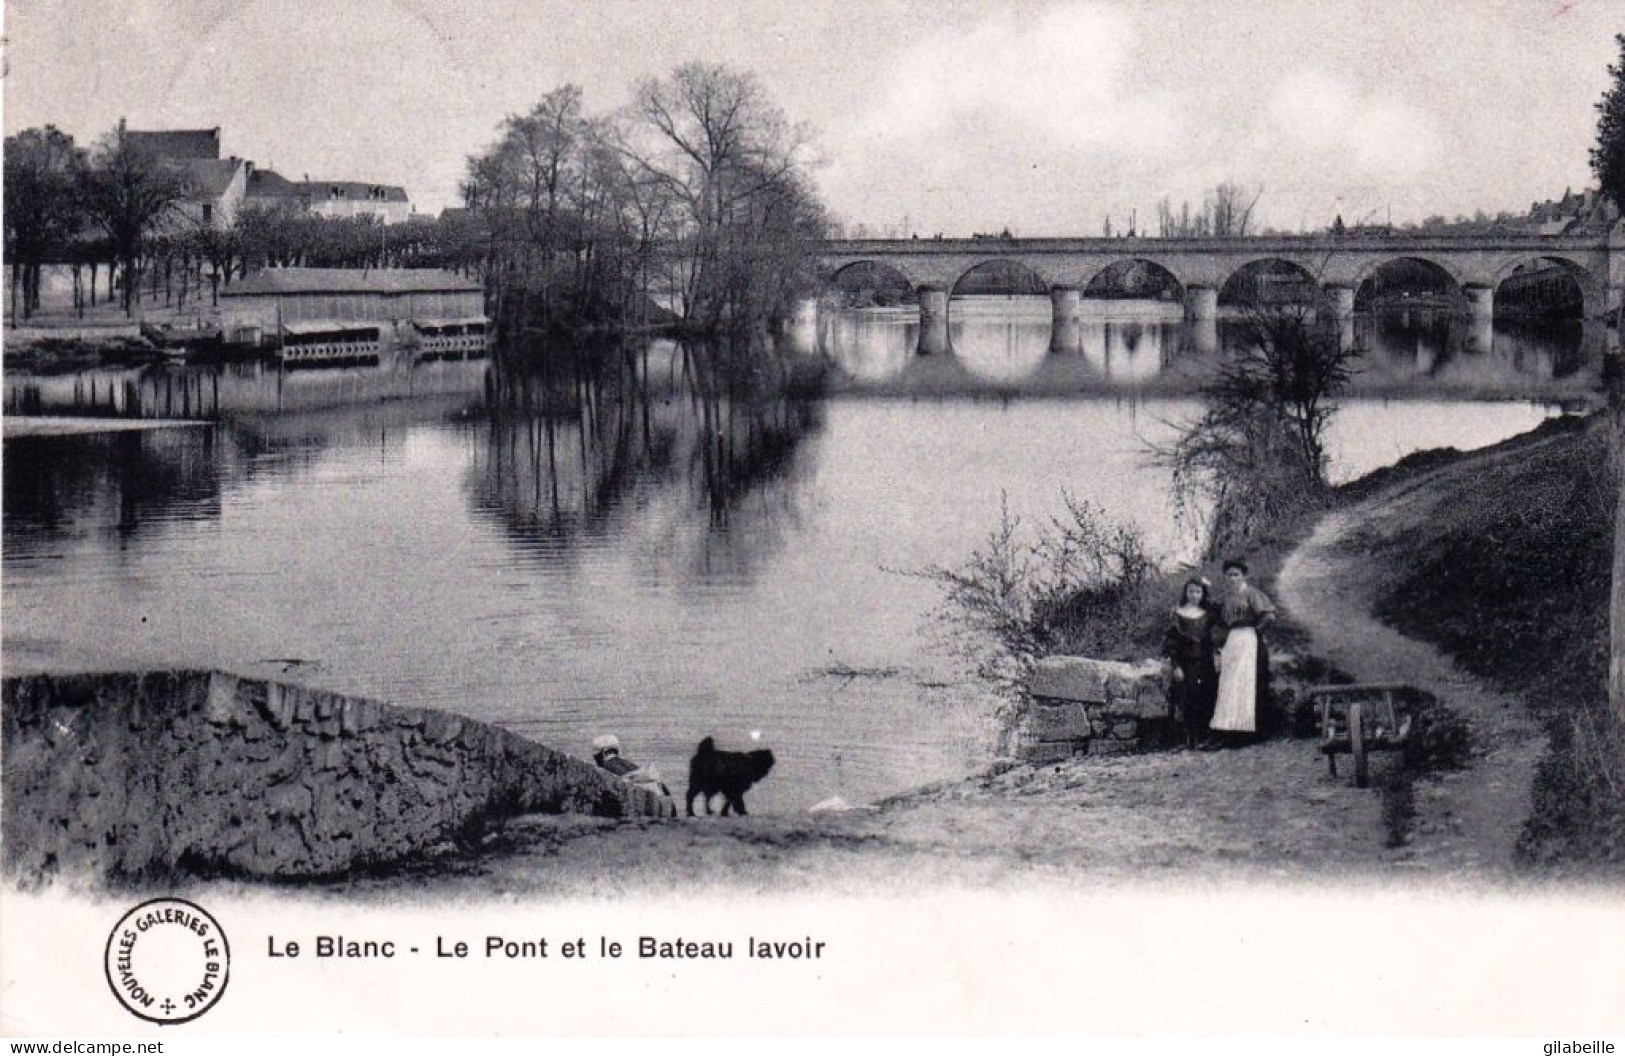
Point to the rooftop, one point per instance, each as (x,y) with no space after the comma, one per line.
(266,183)
(209,179)
(350,280)
(350,190)
(185,144)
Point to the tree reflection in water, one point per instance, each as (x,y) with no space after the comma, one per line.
(589,443)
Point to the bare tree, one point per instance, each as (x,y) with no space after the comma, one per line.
(129,194)
(1255,459)
(1227,212)
(1230,210)
(220,246)
(43,206)
(695,192)
(715,142)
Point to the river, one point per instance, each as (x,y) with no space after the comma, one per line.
(658,542)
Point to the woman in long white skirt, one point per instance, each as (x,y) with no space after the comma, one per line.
(1242,611)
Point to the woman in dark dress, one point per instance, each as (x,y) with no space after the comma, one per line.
(1193,684)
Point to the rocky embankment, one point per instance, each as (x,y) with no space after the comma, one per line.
(125,775)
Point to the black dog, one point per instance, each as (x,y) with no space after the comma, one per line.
(712,772)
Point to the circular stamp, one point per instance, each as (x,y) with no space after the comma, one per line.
(167,961)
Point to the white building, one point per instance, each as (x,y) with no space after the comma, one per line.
(338,199)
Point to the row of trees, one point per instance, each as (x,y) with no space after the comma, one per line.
(67,205)
(1225,212)
(694,200)
(118,206)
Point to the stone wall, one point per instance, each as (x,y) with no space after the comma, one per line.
(1077,706)
(145,773)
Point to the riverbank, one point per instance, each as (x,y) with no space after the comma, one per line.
(1269,811)
(1266,812)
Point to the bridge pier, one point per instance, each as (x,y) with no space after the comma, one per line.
(1065,332)
(1201,302)
(1205,336)
(933,321)
(1481,301)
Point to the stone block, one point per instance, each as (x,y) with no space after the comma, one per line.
(1057,721)
(1140,706)
(1112,746)
(442,727)
(1078,678)
(304,708)
(1073,678)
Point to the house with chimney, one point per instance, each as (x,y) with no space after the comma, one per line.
(215,189)
(212,188)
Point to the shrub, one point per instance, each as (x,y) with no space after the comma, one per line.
(1081,583)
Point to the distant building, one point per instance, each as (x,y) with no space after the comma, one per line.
(341,199)
(215,188)
(211,187)
(1574,213)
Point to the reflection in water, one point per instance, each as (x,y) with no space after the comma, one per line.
(223,390)
(999,338)
(577,442)
(1008,345)
(126,482)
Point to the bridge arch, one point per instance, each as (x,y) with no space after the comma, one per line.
(865,283)
(1000,275)
(1573,293)
(1523,261)
(1135,278)
(1380,279)
(1270,281)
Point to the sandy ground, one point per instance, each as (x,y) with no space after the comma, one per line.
(1266,811)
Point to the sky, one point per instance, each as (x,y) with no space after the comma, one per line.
(948,116)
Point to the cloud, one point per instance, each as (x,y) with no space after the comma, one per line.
(1062,77)
(1380,137)
(1019,117)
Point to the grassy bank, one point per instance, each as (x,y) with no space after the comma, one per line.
(1511,579)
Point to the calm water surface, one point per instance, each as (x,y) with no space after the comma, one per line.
(662,548)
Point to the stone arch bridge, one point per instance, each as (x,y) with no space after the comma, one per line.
(1202,266)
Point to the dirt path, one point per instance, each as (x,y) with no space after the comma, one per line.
(1468,821)
(1267,811)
